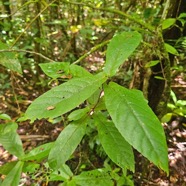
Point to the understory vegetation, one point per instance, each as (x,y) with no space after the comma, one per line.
(92,92)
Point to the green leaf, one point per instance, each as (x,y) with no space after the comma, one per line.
(159,77)
(168,23)
(182,15)
(10,139)
(5,117)
(95,97)
(137,123)
(98,177)
(13,177)
(63,174)
(38,153)
(173,96)
(66,143)
(151,63)
(9,59)
(119,49)
(115,146)
(78,114)
(166,118)
(170,49)
(64,98)
(55,69)
(7,167)
(78,71)
(31,167)
(181,103)
(63,69)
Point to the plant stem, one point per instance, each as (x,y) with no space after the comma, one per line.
(27,51)
(93,49)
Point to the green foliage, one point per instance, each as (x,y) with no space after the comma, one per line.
(9,59)
(124,45)
(168,23)
(98,177)
(14,175)
(122,118)
(66,143)
(114,144)
(171,49)
(38,153)
(10,139)
(71,94)
(175,108)
(136,122)
(54,70)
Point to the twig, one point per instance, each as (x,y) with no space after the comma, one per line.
(34,137)
(17,39)
(27,51)
(118,12)
(93,49)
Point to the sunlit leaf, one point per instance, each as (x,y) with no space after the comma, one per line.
(166,118)
(168,23)
(170,49)
(137,123)
(5,117)
(64,98)
(78,71)
(151,63)
(119,49)
(55,69)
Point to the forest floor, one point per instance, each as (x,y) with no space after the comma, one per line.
(42,131)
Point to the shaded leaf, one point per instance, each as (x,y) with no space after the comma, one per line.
(95,97)
(31,167)
(66,144)
(10,139)
(137,123)
(13,176)
(78,114)
(98,177)
(9,59)
(7,167)
(115,146)
(38,153)
(63,174)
